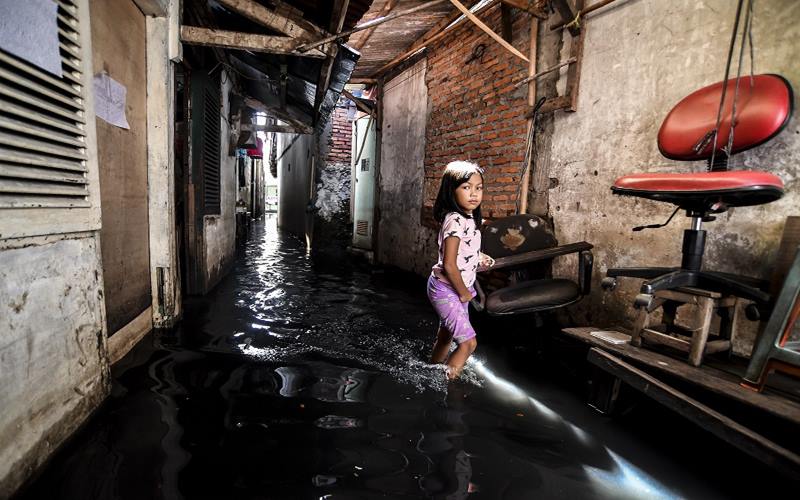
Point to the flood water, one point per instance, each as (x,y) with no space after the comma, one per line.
(305,376)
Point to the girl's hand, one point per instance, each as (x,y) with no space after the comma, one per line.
(465,297)
(485,262)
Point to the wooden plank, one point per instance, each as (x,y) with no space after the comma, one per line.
(574,70)
(303,128)
(666,340)
(194,35)
(488,30)
(567,13)
(360,105)
(387,8)
(725,428)
(281,129)
(124,339)
(157,8)
(291,26)
(435,33)
(526,6)
(337,21)
(710,379)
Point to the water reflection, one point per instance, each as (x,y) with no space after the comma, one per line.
(303,377)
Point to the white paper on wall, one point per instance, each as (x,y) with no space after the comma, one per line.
(29,30)
(109,100)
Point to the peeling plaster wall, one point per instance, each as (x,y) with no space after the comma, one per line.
(402,240)
(294,171)
(219,231)
(53,360)
(640,59)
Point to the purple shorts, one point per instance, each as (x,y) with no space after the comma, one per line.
(453,314)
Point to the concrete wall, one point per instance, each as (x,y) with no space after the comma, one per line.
(641,58)
(294,177)
(402,240)
(219,231)
(54,369)
(118,38)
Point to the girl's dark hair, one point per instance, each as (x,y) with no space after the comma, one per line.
(446,199)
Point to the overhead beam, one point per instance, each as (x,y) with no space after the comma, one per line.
(282,129)
(437,32)
(568,14)
(284,116)
(195,35)
(155,8)
(524,5)
(370,24)
(289,25)
(488,30)
(337,21)
(387,8)
(360,105)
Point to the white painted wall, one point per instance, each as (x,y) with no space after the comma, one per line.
(53,361)
(294,177)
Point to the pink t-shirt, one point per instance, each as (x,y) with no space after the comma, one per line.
(469,247)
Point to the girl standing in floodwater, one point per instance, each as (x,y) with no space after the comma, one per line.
(458,210)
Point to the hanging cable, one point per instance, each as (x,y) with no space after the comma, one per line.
(715,132)
(746,28)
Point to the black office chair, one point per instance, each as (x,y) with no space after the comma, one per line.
(516,242)
(763,109)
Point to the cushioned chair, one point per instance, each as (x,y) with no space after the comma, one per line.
(763,108)
(517,242)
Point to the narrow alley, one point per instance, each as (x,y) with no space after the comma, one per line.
(301,376)
(362,249)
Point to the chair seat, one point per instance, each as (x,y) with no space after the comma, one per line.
(531,296)
(701,190)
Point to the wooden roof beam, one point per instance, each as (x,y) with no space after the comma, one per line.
(337,21)
(387,8)
(283,21)
(194,35)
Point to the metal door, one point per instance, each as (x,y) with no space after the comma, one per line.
(363,166)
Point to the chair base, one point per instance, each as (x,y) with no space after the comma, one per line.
(670,278)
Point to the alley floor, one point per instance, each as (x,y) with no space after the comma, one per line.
(304,376)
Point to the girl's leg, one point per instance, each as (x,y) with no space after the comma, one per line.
(460,357)
(442,346)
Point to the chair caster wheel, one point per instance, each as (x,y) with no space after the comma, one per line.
(608,284)
(643,301)
(752,312)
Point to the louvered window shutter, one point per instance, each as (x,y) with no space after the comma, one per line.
(211,148)
(44,152)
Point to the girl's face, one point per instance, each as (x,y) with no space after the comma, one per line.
(469,194)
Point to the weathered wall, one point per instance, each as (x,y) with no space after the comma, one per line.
(641,58)
(294,176)
(402,240)
(53,365)
(118,38)
(474,111)
(338,135)
(219,231)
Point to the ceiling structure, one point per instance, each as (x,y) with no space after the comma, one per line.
(259,40)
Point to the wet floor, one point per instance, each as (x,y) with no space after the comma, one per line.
(304,376)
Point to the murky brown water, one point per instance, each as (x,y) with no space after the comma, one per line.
(304,377)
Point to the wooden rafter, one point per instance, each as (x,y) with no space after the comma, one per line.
(302,128)
(194,35)
(488,30)
(282,129)
(525,6)
(290,25)
(568,13)
(387,8)
(337,21)
(360,105)
(435,33)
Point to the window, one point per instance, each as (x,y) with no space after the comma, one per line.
(48,171)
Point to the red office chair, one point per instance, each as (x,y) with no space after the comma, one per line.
(763,108)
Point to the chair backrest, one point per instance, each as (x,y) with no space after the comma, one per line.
(763,108)
(516,234)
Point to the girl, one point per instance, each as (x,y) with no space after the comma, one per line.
(458,210)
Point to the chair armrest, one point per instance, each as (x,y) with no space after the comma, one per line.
(537,255)
(585,264)
(479,302)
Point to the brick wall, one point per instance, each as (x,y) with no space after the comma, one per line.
(341,136)
(475,113)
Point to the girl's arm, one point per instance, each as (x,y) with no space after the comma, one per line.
(451,268)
